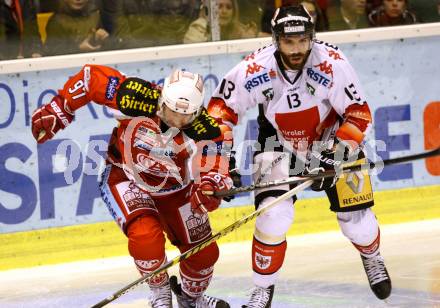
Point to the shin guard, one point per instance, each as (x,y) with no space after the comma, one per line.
(146,244)
(267,260)
(196,272)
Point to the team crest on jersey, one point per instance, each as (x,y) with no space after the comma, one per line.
(253,68)
(163,166)
(262,262)
(310,89)
(269,94)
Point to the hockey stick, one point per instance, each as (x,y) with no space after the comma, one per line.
(41,134)
(330,173)
(205,243)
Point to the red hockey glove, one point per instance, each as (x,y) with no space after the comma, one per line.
(49,119)
(211,182)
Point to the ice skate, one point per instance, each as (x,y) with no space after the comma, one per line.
(160,297)
(205,301)
(380,281)
(260,297)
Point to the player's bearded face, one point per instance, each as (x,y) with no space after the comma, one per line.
(176,119)
(294,50)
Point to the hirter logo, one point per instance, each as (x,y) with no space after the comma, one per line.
(335,55)
(253,68)
(325,67)
(262,262)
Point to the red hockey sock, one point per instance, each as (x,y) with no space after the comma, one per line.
(146,244)
(267,259)
(196,272)
(371,249)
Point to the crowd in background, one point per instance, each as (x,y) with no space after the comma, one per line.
(53,27)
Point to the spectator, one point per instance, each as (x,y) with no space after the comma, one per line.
(315,11)
(73,29)
(115,23)
(348,14)
(392,13)
(47,6)
(19,35)
(425,10)
(267,15)
(323,5)
(230,26)
(373,5)
(156,22)
(312,6)
(251,11)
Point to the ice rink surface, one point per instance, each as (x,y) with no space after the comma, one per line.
(321,270)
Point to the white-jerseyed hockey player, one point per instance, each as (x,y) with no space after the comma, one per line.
(306,91)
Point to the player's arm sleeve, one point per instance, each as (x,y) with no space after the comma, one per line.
(95,83)
(231,99)
(213,155)
(348,99)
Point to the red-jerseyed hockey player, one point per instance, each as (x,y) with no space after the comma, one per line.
(306,91)
(165,137)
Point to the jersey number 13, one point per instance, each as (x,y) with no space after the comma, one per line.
(293,100)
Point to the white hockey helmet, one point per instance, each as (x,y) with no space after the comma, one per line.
(183,92)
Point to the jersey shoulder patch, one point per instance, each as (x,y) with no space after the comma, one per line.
(327,61)
(257,68)
(137,97)
(204,127)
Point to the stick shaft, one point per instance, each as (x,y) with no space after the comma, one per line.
(348,169)
(303,182)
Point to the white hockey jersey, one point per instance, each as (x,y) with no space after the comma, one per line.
(297,109)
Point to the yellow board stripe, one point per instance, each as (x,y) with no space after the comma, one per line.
(101,240)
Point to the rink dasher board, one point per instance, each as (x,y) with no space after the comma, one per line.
(104,240)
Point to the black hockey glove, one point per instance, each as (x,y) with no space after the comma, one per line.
(325,160)
(234,174)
